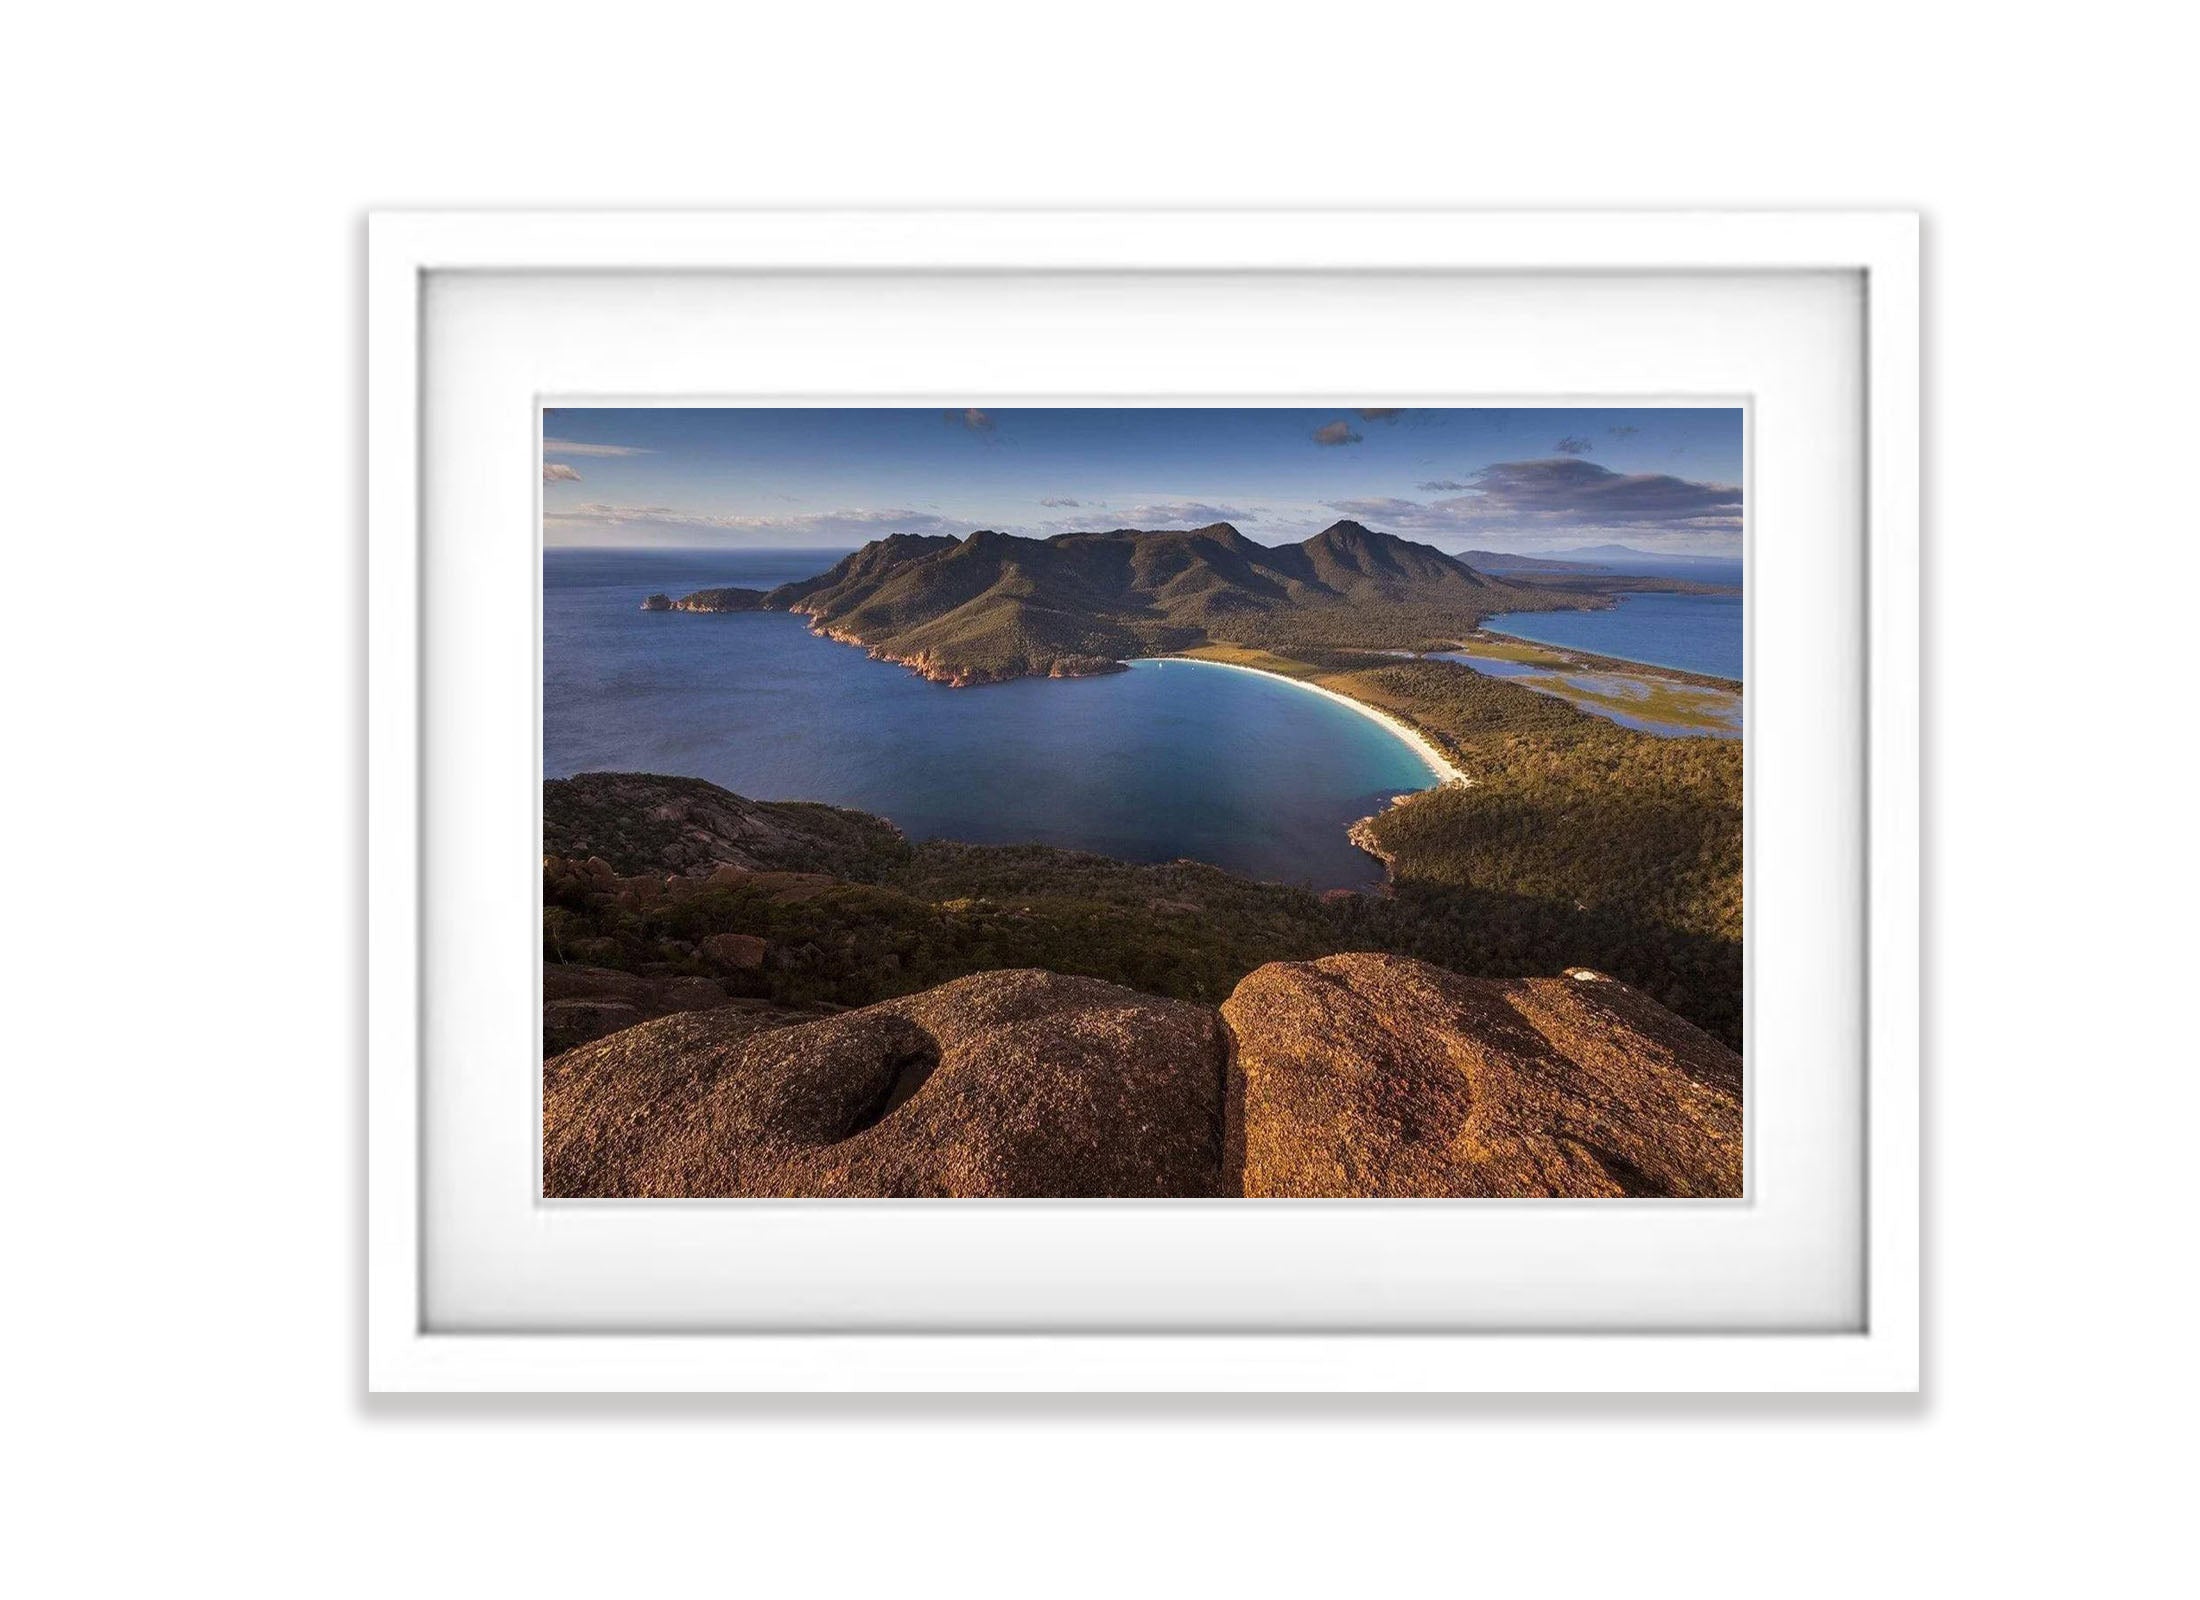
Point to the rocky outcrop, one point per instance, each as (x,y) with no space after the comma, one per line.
(936,667)
(717,600)
(657,602)
(581,1003)
(641,822)
(736,952)
(1020,1083)
(1373,1075)
(1354,1075)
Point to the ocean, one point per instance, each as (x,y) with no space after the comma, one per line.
(1691,632)
(1167,760)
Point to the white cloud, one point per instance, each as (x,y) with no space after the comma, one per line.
(1567,499)
(559,472)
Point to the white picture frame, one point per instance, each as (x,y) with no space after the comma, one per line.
(407,1351)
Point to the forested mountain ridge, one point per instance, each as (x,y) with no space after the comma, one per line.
(995,606)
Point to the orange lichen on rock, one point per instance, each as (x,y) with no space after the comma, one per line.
(1021,1083)
(1375,1075)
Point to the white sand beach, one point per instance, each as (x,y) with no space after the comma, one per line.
(1422,746)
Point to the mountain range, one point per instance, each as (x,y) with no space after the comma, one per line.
(994,606)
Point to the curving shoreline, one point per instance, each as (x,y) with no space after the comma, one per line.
(1419,742)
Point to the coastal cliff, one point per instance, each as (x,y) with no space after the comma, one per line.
(938,667)
(727,599)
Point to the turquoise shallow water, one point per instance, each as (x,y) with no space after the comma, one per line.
(1166,760)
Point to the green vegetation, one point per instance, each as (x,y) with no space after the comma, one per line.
(1656,701)
(993,606)
(1502,647)
(1181,930)
(1575,842)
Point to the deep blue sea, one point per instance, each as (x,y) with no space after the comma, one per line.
(1693,632)
(1166,760)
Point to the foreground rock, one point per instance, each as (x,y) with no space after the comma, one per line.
(582,1003)
(1372,1075)
(644,823)
(1003,1084)
(1355,1075)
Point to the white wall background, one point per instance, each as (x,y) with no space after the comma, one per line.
(182,666)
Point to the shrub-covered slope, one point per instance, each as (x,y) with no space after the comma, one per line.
(995,606)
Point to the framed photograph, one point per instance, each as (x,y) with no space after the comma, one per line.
(1177,801)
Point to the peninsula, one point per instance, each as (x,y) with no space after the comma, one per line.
(994,606)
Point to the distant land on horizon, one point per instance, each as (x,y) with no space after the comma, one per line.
(1573,558)
(1624,552)
(1518,561)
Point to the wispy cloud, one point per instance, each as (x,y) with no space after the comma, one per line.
(1567,497)
(1440,486)
(574,447)
(1057,500)
(1572,445)
(855,522)
(559,472)
(1395,510)
(1182,513)
(1626,430)
(1335,433)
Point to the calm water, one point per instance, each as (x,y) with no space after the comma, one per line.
(1168,759)
(1693,632)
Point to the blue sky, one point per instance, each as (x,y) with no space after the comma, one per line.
(1484,478)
